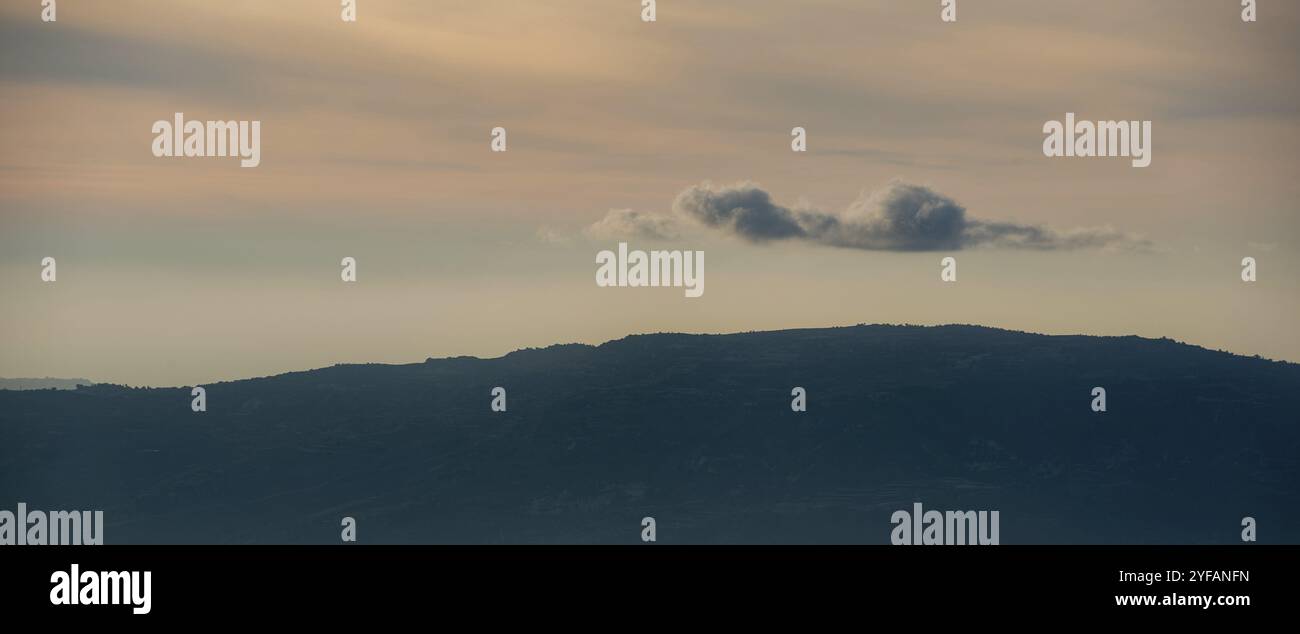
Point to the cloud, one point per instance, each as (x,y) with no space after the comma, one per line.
(551,235)
(744,210)
(900,217)
(626,223)
(1013,236)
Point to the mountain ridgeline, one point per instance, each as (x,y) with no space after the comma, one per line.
(42,384)
(696,431)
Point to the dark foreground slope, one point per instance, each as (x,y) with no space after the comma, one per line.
(696,431)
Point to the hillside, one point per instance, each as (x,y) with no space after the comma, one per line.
(695,430)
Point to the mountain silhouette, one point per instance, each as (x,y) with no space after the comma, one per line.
(696,431)
(46,383)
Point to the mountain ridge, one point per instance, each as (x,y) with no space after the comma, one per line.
(43,383)
(574,346)
(694,430)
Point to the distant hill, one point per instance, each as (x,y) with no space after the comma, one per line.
(42,384)
(694,430)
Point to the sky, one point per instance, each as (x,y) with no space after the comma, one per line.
(672,134)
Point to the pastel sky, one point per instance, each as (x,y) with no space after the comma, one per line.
(375,145)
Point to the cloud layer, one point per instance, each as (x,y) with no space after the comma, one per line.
(899,217)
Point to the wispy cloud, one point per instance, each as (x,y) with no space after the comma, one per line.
(626,223)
